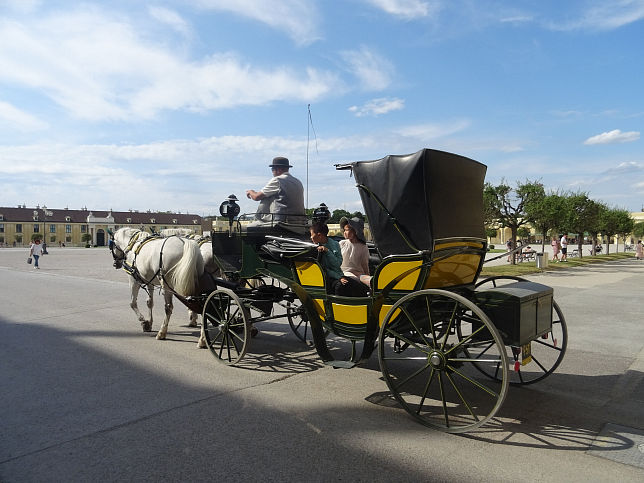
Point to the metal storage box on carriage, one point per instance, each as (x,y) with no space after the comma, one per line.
(522,311)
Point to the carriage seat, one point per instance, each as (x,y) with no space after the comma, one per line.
(285,228)
(284,248)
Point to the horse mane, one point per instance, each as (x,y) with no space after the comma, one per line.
(176,231)
(123,235)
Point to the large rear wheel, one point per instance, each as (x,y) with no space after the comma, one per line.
(432,371)
(226,325)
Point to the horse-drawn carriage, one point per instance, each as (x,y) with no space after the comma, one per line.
(448,344)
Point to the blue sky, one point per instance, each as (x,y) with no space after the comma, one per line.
(174,105)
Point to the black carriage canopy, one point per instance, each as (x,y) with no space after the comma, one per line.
(412,199)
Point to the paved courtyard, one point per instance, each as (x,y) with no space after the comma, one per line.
(88,396)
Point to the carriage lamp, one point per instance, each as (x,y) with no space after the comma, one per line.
(230,209)
(321,214)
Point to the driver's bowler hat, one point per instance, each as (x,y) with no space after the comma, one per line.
(280,162)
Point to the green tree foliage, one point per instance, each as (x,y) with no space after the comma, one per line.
(546,213)
(507,205)
(582,215)
(638,230)
(615,221)
(337,214)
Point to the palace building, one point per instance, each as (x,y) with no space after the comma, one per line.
(18,226)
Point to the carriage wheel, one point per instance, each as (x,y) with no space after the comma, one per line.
(299,322)
(226,325)
(547,351)
(431,371)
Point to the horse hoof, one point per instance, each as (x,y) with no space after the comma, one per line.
(147,327)
(160,337)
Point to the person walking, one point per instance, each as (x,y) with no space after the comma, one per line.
(35,250)
(639,250)
(555,249)
(564,248)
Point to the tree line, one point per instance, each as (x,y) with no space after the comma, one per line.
(553,213)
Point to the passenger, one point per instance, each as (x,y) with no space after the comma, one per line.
(355,259)
(282,199)
(330,254)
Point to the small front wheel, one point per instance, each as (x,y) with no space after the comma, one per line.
(433,370)
(226,325)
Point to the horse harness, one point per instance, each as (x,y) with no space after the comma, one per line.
(131,268)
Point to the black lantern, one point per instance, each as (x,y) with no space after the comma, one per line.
(230,209)
(321,214)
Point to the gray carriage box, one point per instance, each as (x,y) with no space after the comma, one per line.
(521,311)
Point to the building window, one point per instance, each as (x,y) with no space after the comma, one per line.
(68,228)
(152,220)
(18,227)
(36,228)
(1,217)
(68,239)
(174,220)
(68,218)
(52,228)
(129,220)
(1,227)
(83,228)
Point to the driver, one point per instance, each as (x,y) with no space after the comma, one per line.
(282,199)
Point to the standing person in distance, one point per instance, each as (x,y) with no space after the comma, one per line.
(564,248)
(35,250)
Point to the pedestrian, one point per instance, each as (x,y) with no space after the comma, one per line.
(639,250)
(508,245)
(564,248)
(35,250)
(555,248)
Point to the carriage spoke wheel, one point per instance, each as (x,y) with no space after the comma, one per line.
(547,351)
(298,320)
(431,371)
(226,324)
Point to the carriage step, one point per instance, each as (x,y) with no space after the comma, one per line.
(340,364)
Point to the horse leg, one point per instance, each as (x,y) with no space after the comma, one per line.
(150,304)
(202,338)
(134,295)
(167,295)
(193,318)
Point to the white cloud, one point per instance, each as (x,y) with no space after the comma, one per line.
(101,68)
(296,17)
(372,70)
(13,118)
(605,16)
(375,107)
(406,9)
(433,130)
(613,137)
(170,18)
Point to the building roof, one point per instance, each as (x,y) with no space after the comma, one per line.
(24,214)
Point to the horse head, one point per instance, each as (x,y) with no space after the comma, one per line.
(121,242)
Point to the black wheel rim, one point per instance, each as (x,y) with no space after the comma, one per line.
(432,371)
(226,326)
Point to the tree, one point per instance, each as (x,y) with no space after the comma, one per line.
(616,221)
(547,213)
(638,230)
(337,214)
(506,205)
(608,224)
(582,216)
(35,236)
(86,238)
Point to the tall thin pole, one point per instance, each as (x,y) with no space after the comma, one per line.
(308,126)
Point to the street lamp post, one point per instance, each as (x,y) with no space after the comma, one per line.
(44,235)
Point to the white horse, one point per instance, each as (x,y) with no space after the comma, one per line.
(211,269)
(173,263)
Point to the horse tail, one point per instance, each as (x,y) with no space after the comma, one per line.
(184,276)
